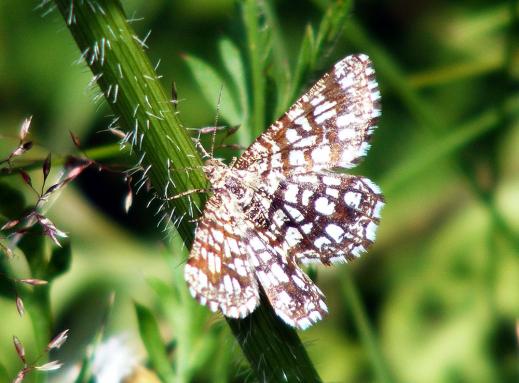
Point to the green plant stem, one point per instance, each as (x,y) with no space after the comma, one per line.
(98,154)
(444,148)
(454,72)
(37,300)
(132,89)
(141,102)
(279,356)
(364,328)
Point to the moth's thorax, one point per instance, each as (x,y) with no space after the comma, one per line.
(228,179)
(216,171)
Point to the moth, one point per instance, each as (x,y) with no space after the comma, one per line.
(281,204)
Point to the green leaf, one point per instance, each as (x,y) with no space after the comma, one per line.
(332,23)
(257,48)
(85,374)
(314,43)
(12,202)
(60,260)
(280,65)
(35,248)
(365,330)
(233,63)
(210,83)
(6,286)
(150,335)
(304,62)
(194,346)
(4,376)
(163,291)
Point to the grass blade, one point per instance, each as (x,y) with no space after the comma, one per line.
(150,335)
(210,83)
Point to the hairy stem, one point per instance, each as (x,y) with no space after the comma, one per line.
(131,87)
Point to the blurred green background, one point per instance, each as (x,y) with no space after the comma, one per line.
(441,285)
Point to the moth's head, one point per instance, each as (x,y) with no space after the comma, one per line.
(215,170)
(212,162)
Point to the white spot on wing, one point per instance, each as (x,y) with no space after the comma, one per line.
(233,245)
(295,112)
(323,107)
(357,251)
(304,323)
(294,213)
(213,306)
(308,178)
(345,120)
(371,231)
(236,285)
(317,99)
(347,133)
(240,267)
(292,135)
(228,284)
(331,181)
(315,316)
(325,116)
(307,228)
(293,236)
(321,154)
(306,142)
(320,242)
(218,235)
(334,231)
(352,199)
(299,282)
(303,122)
(332,192)
(217,263)
(306,196)
(323,305)
(323,206)
(372,185)
(256,243)
(278,272)
(296,158)
(378,207)
(291,193)
(284,298)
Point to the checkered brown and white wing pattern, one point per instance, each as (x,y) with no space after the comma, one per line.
(294,297)
(329,126)
(218,272)
(281,205)
(326,218)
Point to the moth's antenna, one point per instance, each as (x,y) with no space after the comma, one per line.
(213,137)
(198,143)
(175,101)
